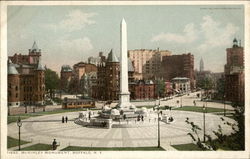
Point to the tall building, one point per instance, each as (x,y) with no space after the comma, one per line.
(26,79)
(201,65)
(108,79)
(234,73)
(65,78)
(147,63)
(178,66)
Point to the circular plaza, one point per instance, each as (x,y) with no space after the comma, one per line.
(43,129)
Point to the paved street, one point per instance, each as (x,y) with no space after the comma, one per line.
(43,129)
(186,100)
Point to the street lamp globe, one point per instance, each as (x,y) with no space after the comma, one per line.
(19,122)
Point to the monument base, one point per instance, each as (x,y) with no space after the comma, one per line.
(124,102)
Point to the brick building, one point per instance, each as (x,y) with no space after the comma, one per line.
(234,74)
(26,79)
(65,78)
(178,66)
(71,79)
(147,63)
(108,78)
(144,90)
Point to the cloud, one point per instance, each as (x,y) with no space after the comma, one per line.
(215,34)
(75,47)
(75,20)
(188,35)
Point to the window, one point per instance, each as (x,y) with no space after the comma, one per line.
(16,88)
(16,95)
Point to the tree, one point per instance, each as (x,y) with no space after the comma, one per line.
(51,81)
(220,89)
(206,84)
(235,141)
(160,88)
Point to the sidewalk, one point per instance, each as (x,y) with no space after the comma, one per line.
(22,146)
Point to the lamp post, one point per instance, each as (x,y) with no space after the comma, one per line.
(181,100)
(19,124)
(224,105)
(159,138)
(204,123)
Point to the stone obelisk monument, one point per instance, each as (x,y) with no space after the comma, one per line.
(124,100)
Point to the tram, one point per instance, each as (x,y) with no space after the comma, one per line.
(78,103)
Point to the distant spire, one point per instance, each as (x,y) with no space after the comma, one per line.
(201,65)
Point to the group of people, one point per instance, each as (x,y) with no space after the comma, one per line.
(140,118)
(64,119)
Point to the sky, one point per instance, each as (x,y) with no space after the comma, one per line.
(70,34)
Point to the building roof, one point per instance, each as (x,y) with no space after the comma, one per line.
(40,66)
(34,47)
(180,79)
(112,57)
(66,68)
(12,69)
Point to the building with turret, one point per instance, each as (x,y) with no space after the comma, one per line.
(108,81)
(26,79)
(234,73)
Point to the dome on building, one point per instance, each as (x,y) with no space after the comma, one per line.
(12,69)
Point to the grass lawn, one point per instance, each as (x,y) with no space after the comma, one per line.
(75,148)
(12,142)
(187,147)
(13,118)
(37,147)
(146,106)
(199,109)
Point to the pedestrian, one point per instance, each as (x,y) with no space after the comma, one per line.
(124,117)
(54,145)
(63,119)
(142,118)
(66,119)
(138,118)
(194,103)
(89,115)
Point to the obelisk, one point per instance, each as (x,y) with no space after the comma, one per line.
(124,100)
